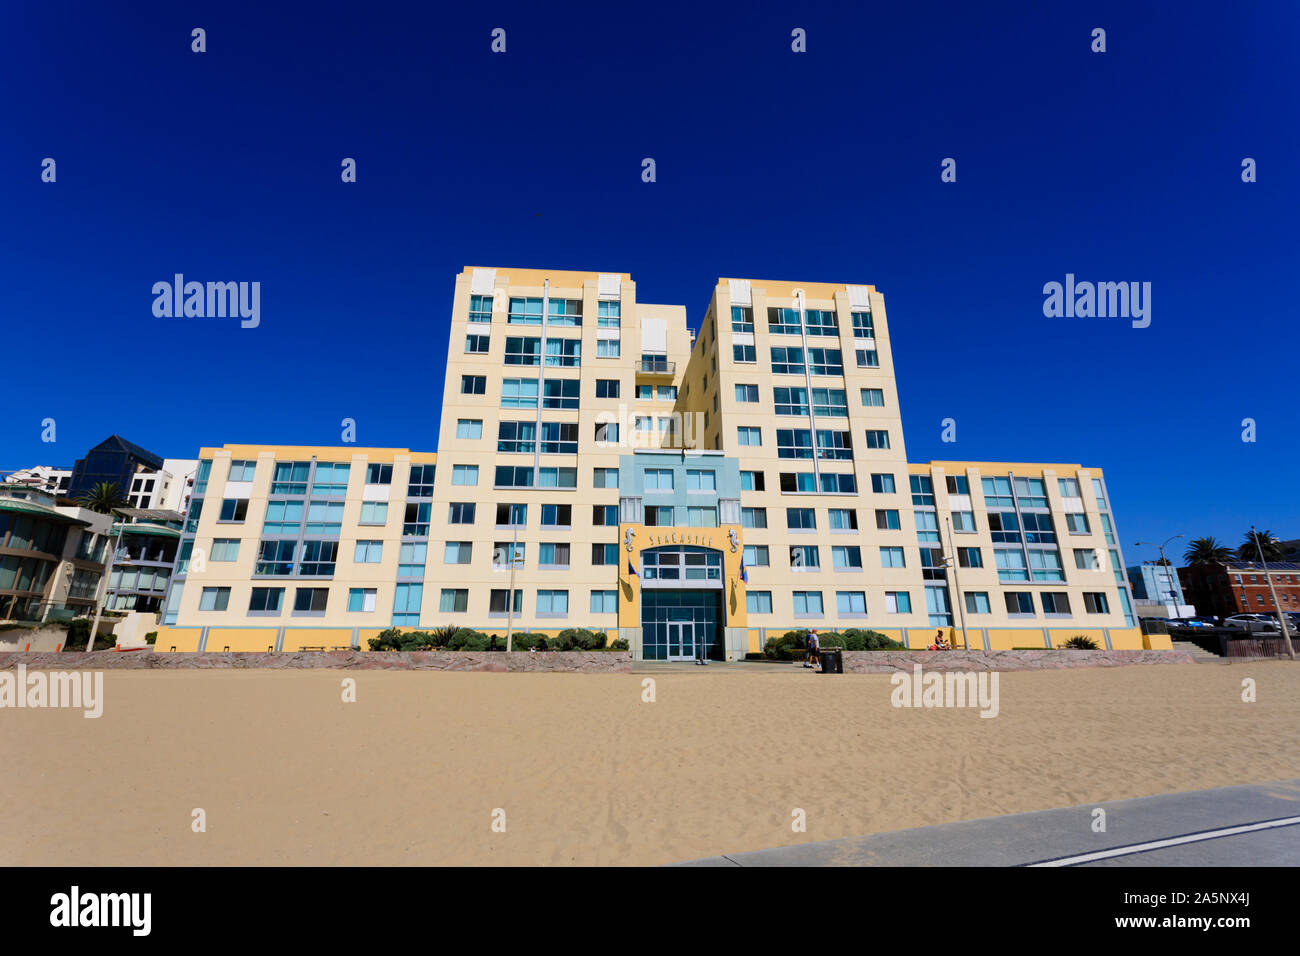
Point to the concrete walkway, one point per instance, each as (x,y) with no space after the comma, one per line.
(1254,825)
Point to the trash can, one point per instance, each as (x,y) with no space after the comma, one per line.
(832,661)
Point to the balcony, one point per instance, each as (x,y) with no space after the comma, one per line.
(652,365)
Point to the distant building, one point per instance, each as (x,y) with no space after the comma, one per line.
(113,461)
(142,565)
(169,488)
(45,477)
(51,556)
(1157,591)
(1240,587)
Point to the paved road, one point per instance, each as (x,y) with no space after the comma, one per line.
(1255,825)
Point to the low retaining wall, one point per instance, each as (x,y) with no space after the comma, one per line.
(884,662)
(602,662)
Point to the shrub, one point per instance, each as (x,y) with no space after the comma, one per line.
(792,645)
(151,637)
(1080,643)
(620,644)
(580,639)
(527,640)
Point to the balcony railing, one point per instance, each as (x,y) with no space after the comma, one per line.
(656,366)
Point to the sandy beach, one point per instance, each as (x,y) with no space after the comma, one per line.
(586,773)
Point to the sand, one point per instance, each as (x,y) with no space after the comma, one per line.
(586,773)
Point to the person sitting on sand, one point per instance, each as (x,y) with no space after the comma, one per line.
(941,642)
(811,657)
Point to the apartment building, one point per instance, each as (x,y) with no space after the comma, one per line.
(599,465)
(1222,589)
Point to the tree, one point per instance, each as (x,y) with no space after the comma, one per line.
(103,498)
(1207,551)
(1268,543)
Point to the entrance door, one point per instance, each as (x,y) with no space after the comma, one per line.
(681,641)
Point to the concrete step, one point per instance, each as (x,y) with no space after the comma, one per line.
(1200,653)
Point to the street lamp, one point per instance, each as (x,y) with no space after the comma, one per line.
(1165,562)
(1281,618)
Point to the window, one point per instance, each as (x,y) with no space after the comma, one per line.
(867,358)
(1069,487)
(784,322)
(699,480)
(898,602)
(887,519)
(275,557)
(368,552)
(461,512)
(1077,523)
(882,484)
(830,402)
(559,438)
(1087,559)
(834,445)
(851,603)
(821,322)
(1019,602)
(977,602)
(480,308)
(225,549)
(1055,602)
(808,604)
(477,344)
(755,556)
(750,436)
(525,312)
(464,474)
(846,557)
(604,515)
(892,558)
(752,481)
(214,599)
(563,353)
(310,600)
(561,393)
(361,599)
(1004,527)
(698,516)
(957,484)
(659,516)
(825,362)
(742,318)
(753,517)
(1031,493)
(964,522)
(1094,602)
(791,401)
(969,558)
(473,384)
(607,348)
(469,428)
(266,601)
(519,393)
(801,519)
(747,393)
(319,558)
(523,350)
(1046,565)
(603,602)
(239,471)
(290,478)
(406,603)
(873,397)
(553,555)
(658,479)
(843,519)
(557,516)
(1039,528)
(567,312)
(877,438)
(511,515)
(1011,565)
(997,493)
(508,476)
(458,552)
(505,553)
(606,433)
(421,481)
(324,517)
(863,328)
(794,443)
(744,354)
(787,360)
(608,314)
(453,600)
(758,602)
(497,601)
(604,478)
(410,559)
(805,557)
(552,603)
(607,388)
(234,509)
(604,555)
(330,480)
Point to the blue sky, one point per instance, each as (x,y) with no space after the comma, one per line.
(1122,166)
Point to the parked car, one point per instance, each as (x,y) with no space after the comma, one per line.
(1251,623)
(1187,622)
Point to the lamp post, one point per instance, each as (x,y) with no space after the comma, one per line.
(1281,618)
(510,594)
(1164,563)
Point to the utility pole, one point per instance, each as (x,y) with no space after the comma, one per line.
(956,586)
(1281,618)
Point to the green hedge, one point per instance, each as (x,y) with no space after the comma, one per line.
(468,639)
(793,645)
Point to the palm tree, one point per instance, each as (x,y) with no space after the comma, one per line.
(1268,543)
(103,498)
(1207,551)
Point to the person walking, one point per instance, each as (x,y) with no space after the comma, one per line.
(812,657)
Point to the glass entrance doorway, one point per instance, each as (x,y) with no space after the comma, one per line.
(681,641)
